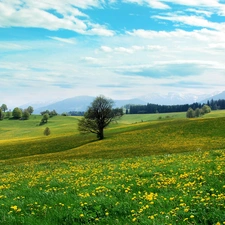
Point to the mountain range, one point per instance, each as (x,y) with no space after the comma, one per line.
(80,103)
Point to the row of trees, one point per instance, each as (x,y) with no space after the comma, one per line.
(46,115)
(24,114)
(50,113)
(17,112)
(155,108)
(198,111)
(216,104)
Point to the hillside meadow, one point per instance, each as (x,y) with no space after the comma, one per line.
(150,169)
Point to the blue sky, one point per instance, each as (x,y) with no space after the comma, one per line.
(58,49)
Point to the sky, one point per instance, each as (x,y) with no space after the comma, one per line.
(54,49)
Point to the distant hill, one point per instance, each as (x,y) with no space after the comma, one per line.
(80,103)
(173,98)
(215,97)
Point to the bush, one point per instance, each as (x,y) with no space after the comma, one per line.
(197,112)
(26,114)
(190,113)
(1,115)
(47,131)
(206,109)
(17,113)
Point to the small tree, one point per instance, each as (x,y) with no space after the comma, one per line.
(190,113)
(53,113)
(4,107)
(26,114)
(45,118)
(1,115)
(17,113)
(47,131)
(98,116)
(197,112)
(206,109)
(44,112)
(8,114)
(30,109)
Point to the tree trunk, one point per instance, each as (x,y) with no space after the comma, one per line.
(101,134)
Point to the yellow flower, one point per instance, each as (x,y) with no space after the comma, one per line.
(81,215)
(192,216)
(14,207)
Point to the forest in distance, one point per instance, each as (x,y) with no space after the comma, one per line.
(155,108)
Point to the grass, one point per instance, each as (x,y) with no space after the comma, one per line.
(134,176)
(27,129)
(167,189)
(122,139)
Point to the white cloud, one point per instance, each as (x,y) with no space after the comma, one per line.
(209,3)
(101,31)
(132,49)
(91,60)
(40,14)
(157,4)
(217,46)
(155,47)
(197,21)
(123,50)
(200,35)
(65,40)
(129,62)
(200,12)
(106,49)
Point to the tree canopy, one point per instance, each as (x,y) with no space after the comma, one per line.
(17,113)
(98,116)
(30,109)
(4,107)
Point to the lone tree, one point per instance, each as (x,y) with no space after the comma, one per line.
(98,116)
(4,107)
(47,131)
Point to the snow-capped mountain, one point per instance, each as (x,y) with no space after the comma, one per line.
(173,98)
(217,96)
(80,103)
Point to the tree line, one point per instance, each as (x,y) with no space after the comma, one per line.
(155,108)
(24,114)
(191,113)
(17,112)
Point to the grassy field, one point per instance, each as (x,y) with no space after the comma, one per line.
(150,169)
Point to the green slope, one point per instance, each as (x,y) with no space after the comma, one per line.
(124,139)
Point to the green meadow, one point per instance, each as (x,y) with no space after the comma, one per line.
(149,169)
